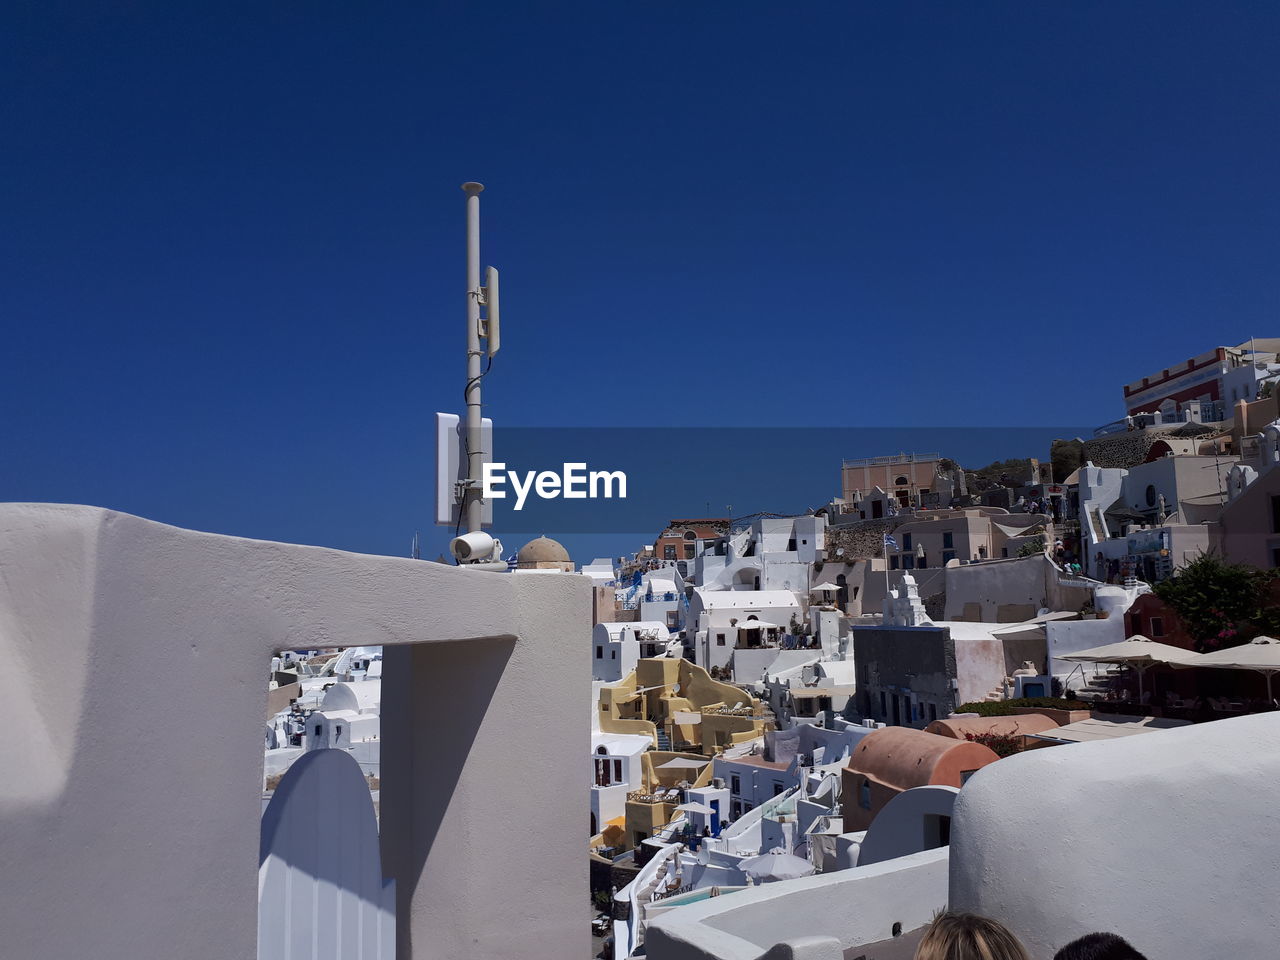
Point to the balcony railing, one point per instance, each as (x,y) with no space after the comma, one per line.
(760,711)
(898,458)
(640,796)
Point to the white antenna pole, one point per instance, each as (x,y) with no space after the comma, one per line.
(473,505)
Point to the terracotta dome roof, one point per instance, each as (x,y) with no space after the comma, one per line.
(542,550)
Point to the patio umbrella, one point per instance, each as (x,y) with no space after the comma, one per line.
(777,864)
(1261,654)
(694,807)
(1138,652)
(683,763)
(825,588)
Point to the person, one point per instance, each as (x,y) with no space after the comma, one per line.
(1099,946)
(967,936)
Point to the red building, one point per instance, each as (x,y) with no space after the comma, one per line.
(678,540)
(1153,618)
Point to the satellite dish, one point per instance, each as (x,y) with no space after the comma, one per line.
(675,688)
(839,551)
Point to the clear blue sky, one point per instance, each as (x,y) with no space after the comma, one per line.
(231,262)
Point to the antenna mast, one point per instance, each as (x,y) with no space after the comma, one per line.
(472,504)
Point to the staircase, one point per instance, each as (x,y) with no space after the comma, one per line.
(664,741)
(1100,685)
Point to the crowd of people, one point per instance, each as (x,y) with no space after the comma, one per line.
(966,936)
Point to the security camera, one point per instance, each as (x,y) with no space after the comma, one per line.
(475,547)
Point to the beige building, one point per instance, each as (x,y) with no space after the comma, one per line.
(935,538)
(904,476)
(690,718)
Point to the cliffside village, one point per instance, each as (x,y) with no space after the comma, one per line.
(786,709)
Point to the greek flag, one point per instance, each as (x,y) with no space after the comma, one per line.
(889,542)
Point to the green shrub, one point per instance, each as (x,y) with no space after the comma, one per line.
(1006,708)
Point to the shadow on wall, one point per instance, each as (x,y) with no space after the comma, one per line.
(447,687)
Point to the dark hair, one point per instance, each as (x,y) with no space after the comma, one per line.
(1099,946)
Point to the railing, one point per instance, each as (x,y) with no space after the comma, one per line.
(640,796)
(760,711)
(1115,426)
(899,458)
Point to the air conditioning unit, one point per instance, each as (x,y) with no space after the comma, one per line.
(718,782)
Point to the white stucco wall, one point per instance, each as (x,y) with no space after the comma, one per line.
(901,827)
(1169,839)
(1071,636)
(116,852)
(996,584)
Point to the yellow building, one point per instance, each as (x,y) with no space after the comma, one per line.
(690,719)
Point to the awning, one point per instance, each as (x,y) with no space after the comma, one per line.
(1107,727)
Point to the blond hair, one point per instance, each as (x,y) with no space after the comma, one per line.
(967,936)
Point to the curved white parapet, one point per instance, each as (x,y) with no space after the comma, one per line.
(1170,839)
(833,911)
(329,895)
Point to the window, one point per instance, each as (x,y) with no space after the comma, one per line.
(901,481)
(933,712)
(908,561)
(613,654)
(906,541)
(884,707)
(319,729)
(1004,552)
(1151,495)
(948,540)
(1157,626)
(864,794)
(673,618)
(599,652)
(893,562)
(777,788)
(719,639)
(735,785)
(669,552)
(1275,514)
(617,771)
(337,731)
(688,551)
